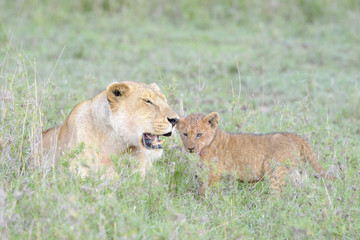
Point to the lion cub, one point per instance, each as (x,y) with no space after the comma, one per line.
(248,156)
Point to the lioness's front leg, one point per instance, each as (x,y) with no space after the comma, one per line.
(143,163)
(146,158)
(90,161)
(108,166)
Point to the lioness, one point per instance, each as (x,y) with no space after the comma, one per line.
(127,116)
(247,156)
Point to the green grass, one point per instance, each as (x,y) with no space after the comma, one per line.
(264,66)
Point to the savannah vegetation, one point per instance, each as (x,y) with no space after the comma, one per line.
(265,66)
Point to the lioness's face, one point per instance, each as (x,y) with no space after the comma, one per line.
(141,112)
(197,130)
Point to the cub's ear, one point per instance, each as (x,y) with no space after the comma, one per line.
(180,122)
(212,119)
(116,91)
(155,87)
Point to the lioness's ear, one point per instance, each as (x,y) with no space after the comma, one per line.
(212,119)
(155,87)
(180,122)
(117,90)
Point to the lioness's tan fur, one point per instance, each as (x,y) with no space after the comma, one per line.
(111,123)
(248,156)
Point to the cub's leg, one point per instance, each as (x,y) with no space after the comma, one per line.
(214,176)
(279,162)
(277,175)
(201,189)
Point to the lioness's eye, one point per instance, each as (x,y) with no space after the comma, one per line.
(185,134)
(148,101)
(199,135)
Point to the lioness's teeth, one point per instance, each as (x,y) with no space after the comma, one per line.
(161,142)
(155,141)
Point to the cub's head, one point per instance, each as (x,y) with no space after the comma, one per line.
(197,130)
(140,114)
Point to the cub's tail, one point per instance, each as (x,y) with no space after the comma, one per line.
(308,154)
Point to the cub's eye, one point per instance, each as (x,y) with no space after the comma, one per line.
(199,135)
(185,134)
(148,101)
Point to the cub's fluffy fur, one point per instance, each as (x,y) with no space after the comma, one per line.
(248,156)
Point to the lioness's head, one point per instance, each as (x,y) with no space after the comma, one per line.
(140,114)
(197,130)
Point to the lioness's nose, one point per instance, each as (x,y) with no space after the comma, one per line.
(173,121)
(191,149)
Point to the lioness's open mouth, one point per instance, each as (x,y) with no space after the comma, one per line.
(152,141)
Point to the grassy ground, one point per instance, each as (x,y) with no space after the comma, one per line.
(265,66)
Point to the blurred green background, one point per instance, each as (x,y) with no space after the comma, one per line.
(283,51)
